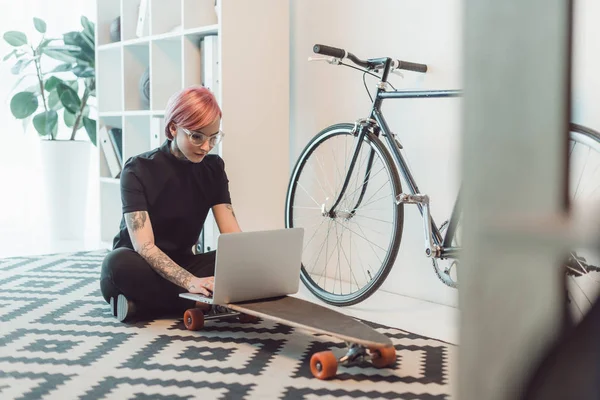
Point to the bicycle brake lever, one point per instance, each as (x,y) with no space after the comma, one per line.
(397,72)
(329,60)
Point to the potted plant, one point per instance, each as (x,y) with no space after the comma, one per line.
(54,91)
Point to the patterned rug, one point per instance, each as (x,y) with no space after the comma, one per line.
(58,340)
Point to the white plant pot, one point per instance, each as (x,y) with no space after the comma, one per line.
(66,168)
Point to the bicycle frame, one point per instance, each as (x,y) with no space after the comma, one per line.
(436,245)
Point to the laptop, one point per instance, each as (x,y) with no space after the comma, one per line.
(255,265)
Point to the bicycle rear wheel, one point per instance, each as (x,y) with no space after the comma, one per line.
(581,265)
(346,257)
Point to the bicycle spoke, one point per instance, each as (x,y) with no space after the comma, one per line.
(324,173)
(364,183)
(579,181)
(369,228)
(305,191)
(374,219)
(367,279)
(314,234)
(364,237)
(332,253)
(322,246)
(381,198)
(349,267)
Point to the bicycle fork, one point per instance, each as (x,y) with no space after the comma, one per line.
(361,130)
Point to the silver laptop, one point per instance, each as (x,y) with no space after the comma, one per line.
(255,265)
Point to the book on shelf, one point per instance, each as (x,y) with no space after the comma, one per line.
(141,21)
(110,154)
(116,139)
(210,64)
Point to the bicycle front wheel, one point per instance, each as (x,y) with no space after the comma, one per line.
(346,256)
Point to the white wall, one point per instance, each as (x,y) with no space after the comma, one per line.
(256,109)
(321,94)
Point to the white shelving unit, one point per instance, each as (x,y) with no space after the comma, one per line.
(170,48)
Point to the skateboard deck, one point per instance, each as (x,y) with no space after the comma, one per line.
(364,342)
(303,314)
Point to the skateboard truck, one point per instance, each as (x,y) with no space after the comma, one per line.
(323,365)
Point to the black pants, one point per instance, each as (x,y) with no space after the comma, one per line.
(125,272)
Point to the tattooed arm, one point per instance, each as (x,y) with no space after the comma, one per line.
(142,237)
(225,218)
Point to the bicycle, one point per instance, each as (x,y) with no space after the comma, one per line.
(369,148)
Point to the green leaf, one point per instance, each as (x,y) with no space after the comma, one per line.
(54,101)
(69,118)
(44,43)
(83,71)
(86,111)
(63,68)
(23,104)
(89,30)
(70,38)
(15,38)
(89,41)
(74,85)
(60,55)
(39,24)
(20,65)
(86,49)
(46,123)
(90,127)
(51,83)
(66,47)
(68,97)
(9,55)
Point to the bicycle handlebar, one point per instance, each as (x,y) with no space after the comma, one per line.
(341,53)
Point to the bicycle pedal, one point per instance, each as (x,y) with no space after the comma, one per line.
(412,198)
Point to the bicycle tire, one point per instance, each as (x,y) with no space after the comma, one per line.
(375,143)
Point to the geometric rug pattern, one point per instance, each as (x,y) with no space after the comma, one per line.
(58,340)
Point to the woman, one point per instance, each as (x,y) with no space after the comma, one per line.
(166,194)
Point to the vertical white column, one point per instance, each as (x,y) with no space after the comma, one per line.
(514,162)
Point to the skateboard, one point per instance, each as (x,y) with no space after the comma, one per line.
(364,343)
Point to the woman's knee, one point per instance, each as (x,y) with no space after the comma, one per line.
(115,268)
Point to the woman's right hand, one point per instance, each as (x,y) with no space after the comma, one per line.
(203,286)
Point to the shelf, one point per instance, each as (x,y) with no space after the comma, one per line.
(110,211)
(199,13)
(112,181)
(136,139)
(110,81)
(167,73)
(106,15)
(169,51)
(109,114)
(166,17)
(136,64)
(193,32)
(129,20)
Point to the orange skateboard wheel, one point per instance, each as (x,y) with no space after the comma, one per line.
(384,356)
(323,365)
(246,318)
(193,319)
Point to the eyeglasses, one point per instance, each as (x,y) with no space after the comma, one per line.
(198,138)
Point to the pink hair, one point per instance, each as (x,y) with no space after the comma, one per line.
(192,108)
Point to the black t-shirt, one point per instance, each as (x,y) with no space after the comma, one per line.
(177,194)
